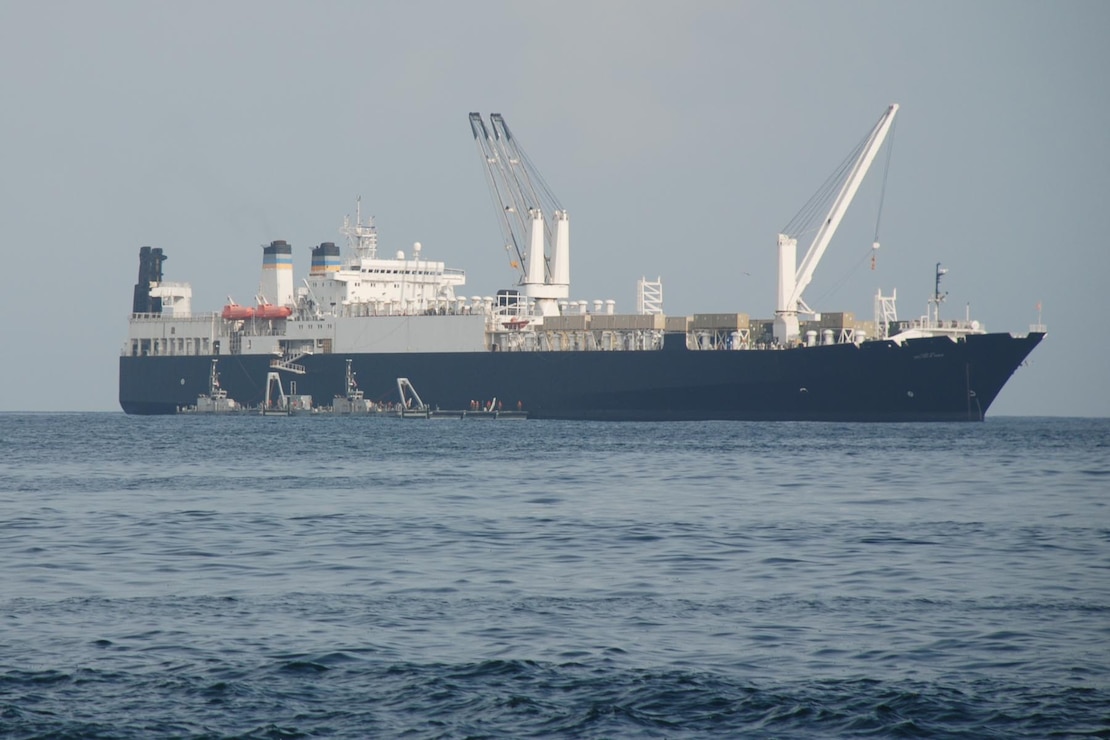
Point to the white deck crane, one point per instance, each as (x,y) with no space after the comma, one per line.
(845,182)
(539,248)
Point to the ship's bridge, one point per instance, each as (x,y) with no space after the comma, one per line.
(412,284)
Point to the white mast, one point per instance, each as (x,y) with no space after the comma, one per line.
(792,283)
(560,264)
(535,263)
(362,238)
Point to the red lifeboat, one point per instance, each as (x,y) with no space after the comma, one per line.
(270,311)
(235,312)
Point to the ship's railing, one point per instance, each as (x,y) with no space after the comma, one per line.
(949,327)
(506,336)
(539,339)
(174,346)
(194,317)
(438,307)
(293,367)
(258,328)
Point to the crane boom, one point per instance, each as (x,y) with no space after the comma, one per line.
(843,200)
(510,214)
(524,178)
(793,282)
(534,224)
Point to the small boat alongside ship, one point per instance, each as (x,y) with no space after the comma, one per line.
(544,354)
(216,400)
(278,403)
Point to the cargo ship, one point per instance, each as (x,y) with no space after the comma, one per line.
(533,349)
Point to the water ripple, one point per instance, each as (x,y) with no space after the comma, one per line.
(348,579)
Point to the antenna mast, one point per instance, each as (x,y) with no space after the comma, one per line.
(362,238)
(938,296)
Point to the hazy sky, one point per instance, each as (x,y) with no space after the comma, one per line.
(680,137)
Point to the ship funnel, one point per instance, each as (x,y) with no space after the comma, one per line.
(325,258)
(277,273)
(150,271)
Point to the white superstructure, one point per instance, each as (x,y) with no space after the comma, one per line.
(177,298)
(361,304)
(365,285)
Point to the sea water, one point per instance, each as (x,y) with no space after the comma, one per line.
(246,576)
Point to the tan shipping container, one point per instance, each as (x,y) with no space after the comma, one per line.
(566,323)
(626,322)
(718,321)
(840,319)
(677,323)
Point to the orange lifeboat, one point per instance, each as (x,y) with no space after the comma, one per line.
(235,312)
(270,311)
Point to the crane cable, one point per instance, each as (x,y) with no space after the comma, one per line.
(882,190)
(878,220)
(811,215)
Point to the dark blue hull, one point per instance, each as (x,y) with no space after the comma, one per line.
(922,380)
